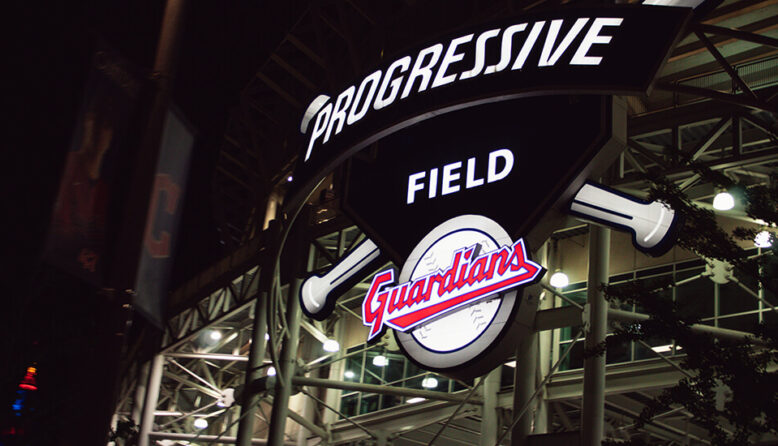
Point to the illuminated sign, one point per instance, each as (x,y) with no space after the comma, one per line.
(459,333)
(512,161)
(613,50)
(492,131)
(469,278)
(653,224)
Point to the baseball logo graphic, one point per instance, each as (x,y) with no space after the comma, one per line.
(450,338)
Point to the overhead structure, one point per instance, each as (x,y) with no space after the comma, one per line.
(714,101)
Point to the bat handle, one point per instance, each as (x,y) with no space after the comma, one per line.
(317,290)
(649,222)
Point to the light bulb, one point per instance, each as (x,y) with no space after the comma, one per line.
(216,335)
(380,361)
(723,201)
(331,345)
(201,423)
(762,240)
(429,382)
(348,374)
(267,336)
(559,280)
(271,371)
(418,399)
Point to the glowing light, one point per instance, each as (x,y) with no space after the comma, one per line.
(348,374)
(201,423)
(762,240)
(723,201)
(380,361)
(331,345)
(418,399)
(559,280)
(289,179)
(215,335)
(429,382)
(267,337)
(271,371)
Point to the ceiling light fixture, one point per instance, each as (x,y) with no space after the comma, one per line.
(559,280)
(723,201)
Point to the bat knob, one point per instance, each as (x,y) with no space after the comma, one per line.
(311,296)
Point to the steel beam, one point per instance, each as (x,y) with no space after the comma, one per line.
(205,438)
(593,410)
(208,356)
(489,425)
(253,371)
(152,395)
(385,390)
(286,365)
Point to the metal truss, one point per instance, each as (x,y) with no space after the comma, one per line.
(714,101)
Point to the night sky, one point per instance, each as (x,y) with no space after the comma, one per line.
(49,317)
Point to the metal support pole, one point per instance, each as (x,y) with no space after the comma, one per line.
(253,371)
(308,409)
(332,397)
(524,386)
(385,390)
(286,364)
(140,393)
(489,411)
(593,411)
(152,396)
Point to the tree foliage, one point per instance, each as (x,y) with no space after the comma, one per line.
(740,375)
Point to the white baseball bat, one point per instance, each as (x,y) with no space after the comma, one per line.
(315,293)
(650,222)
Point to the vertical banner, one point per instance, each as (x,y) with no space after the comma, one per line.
(165,207)
(89,202)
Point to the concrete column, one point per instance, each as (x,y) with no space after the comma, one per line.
(524,382)
(140,393)
(152,396)
(254,370)
(489,426)
(593,411)
(286,365)
(544,347)
(332,397)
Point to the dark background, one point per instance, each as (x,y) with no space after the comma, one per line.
(47,317)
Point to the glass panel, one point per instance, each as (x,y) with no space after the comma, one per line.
(574,286)
(641,352)
(742,323)
(414,383)
(348,405)
(696,297)
(620,278)
(369,404)
(353,370)
(394,370)
(566,333)
(619,352)
(654,271)
(388,401)
(685,274)
(374,373)
(506,376)
(457,386)
(733,299)
(575,359)
(412,369)
(689,264)
(575,296)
